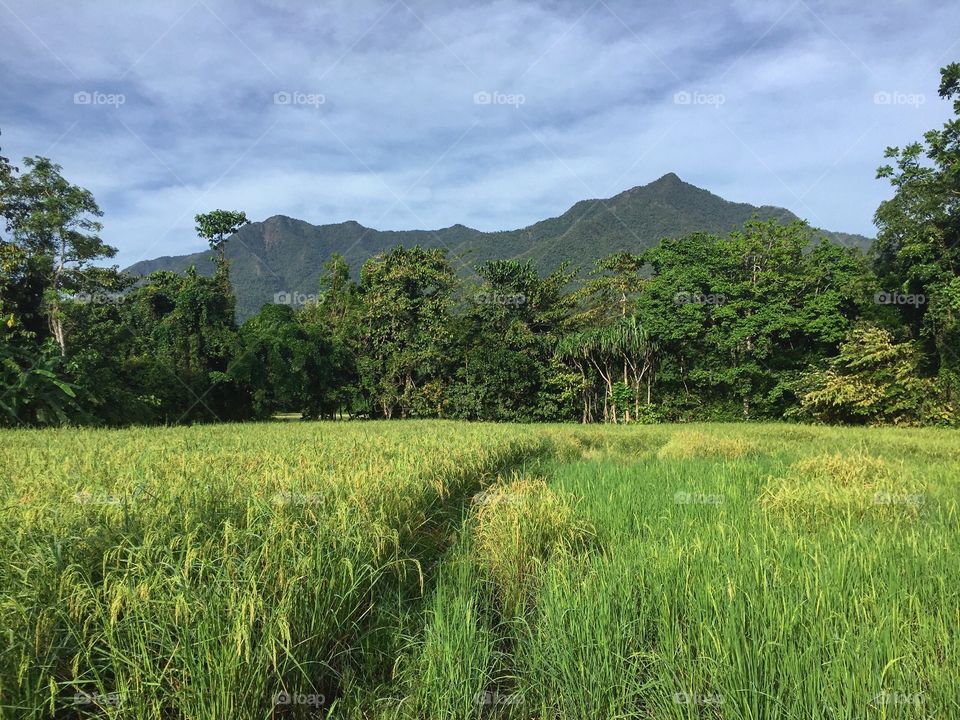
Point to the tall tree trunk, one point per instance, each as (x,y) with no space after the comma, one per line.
(586,392)
(56,327)
(56,312)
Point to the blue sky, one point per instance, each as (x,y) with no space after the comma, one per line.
(408,114)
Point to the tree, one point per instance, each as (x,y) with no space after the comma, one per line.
(53,223)
(620,353)
(51,239)
(405,330)
(21,276)
(336,320)
(506,337)
(185,345)
(12,257)
(873,380)
(611,350)
(736,318)
(32,389)
(917,250)
(286,363)
(216,226)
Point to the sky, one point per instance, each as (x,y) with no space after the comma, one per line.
(407,114)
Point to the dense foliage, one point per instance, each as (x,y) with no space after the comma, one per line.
(765,322)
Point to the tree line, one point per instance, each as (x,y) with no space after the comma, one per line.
(766,322)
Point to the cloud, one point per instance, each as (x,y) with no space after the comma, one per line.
(375,111)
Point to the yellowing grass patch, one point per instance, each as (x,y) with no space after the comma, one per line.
(517,528)
(855,483)
(694,444)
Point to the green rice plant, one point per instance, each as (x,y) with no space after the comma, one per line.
(451,570)
(694,601)
(576,651)
(454,660)
(208,572)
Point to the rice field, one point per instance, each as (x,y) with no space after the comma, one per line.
(431,569)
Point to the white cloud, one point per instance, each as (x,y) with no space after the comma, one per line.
(798,125)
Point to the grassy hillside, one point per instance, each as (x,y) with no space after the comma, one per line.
(281,253)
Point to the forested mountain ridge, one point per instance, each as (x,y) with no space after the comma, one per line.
(283,254)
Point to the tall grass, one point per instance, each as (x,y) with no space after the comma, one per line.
(774,572)
(210,572)
(445,570)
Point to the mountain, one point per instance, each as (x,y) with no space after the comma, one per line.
(282,254)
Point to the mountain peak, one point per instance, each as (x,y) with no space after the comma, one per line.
(665,183)
(286,219)
(670,178)
(273,219)
(283,252)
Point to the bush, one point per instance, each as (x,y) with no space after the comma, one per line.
(873,380)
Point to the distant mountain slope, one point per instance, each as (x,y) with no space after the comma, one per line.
(282,254)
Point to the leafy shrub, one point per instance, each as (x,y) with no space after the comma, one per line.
(33,390)
(873,380)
